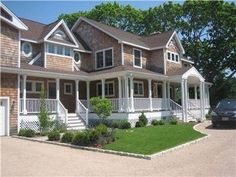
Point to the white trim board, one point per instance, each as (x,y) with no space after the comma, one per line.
(7,118)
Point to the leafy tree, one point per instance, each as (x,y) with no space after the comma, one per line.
(44,119)
(206,28)
(102,107)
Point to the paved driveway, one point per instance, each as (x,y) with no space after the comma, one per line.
(215,156)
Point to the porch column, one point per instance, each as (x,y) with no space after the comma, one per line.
(103,88)
(201,99)
(168,95)
(150,93)
(132,93)
(77,93)
(119,92)
(127,94)
(24,94)
(88,94)
(183,99)
(186,100)
(164,94)
(195,92)
(58,93)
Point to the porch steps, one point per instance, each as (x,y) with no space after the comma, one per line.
(179,116)
(75,122)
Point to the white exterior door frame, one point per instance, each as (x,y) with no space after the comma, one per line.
(7,114)
(48,82)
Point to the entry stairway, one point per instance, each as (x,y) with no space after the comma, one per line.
(176,111)
(74,122)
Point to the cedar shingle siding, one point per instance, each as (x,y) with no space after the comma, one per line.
(9,42)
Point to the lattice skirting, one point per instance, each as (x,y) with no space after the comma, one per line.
(33,125)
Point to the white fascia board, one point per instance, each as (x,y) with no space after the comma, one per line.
(193,72)
(61,22)
(60,43)
(85,51)
(178,41)
(187,61)
(15,20)
(45,74)
(135,45)
(29,40)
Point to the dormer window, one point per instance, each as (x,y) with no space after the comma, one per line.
(26,49)
(104,58)
(59,34)
(59,50)
(174,57)
(137,58)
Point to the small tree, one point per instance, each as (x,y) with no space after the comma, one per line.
(102,107)
(44,119)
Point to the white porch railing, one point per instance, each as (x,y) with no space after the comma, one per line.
(62,112)
(52,105)
(140,104)
(82,111)
(194,104)
(175,107)
(33,105)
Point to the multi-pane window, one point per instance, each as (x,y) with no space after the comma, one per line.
(104,58)
(68,88)
(59,50)
(138,88)
(34,86)
(173,56)
(137,57)
(109,89)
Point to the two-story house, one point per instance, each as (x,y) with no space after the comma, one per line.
(137,74)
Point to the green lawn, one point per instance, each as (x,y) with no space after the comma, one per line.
(149,140)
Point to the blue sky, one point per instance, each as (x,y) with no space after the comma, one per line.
(48,11)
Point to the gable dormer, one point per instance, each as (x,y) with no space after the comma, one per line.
(11,27)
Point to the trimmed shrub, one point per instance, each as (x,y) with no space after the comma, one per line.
(124,125)
(143,119)
(59,126)
(26,133)
(54,135)
(67,137)
(173,122)
(139,124)
(81,138)
(161,122)
(154,122)
(115,124)
(101,129)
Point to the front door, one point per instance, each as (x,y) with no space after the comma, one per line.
(52,90)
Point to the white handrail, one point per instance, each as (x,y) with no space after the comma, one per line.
(82,111)
(62,112)
(35,59)
(175,106)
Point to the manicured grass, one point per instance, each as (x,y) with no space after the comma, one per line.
(149,140)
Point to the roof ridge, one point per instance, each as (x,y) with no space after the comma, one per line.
(32,20)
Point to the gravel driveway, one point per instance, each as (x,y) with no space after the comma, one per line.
(215,156)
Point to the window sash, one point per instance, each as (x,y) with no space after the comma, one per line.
(138,89)
(104,58)
(109,89)
(137,57)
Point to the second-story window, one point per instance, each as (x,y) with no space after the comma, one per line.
(173,56)
(26,49)
(137,58)
(104,58)
(59,50)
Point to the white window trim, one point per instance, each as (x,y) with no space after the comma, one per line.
(107,82)
(33,82)
(139,82)
(55,51)
(141,58)
(156,86)
(170,60)
(77,62)
(22,49)
(59,31)
(68,93)
(103,50)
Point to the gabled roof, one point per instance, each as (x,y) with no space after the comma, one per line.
(11,18)
(152,42)
(39,32)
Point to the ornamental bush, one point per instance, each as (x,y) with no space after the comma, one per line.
(173,121)
(67,137)
(26,133)
(154,122)
(121,124)
(143,119)
(54,135)
(139,124)
(81,138)
(161,122)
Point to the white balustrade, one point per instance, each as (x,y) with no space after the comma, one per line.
(62,113)
(158,103)
(82,111)
(194,104)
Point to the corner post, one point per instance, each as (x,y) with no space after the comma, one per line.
(132,93)
(150,93)
(24,94)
